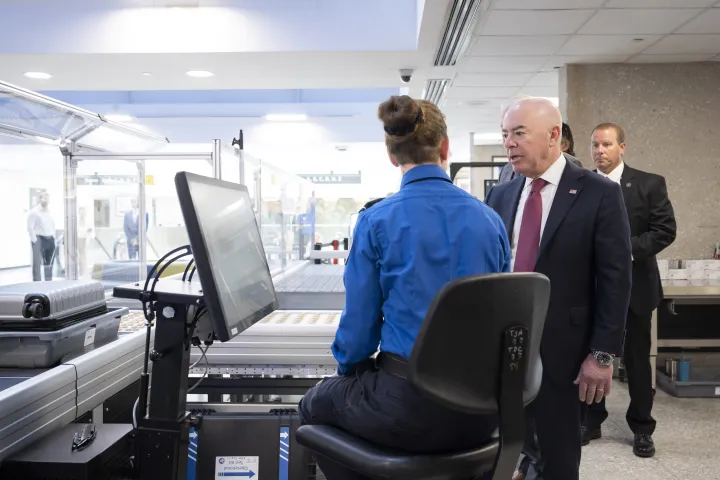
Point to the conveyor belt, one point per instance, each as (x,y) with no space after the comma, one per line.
(283,343)
(34,403)
(312,287)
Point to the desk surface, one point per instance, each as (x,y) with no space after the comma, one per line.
(691,288)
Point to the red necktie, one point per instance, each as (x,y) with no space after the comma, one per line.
(529,238)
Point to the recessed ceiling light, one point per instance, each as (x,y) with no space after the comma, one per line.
(199,73)
(286,117)
(116,117)
(38,75)
(147,74)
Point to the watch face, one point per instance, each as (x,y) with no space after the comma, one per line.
(603,358)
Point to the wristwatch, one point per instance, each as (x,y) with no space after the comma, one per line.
(603,358)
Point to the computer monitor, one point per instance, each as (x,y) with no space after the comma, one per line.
(229,255)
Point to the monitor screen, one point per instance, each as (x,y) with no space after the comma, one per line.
(230,259)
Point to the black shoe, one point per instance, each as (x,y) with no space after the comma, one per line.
(643,446)
(588,434)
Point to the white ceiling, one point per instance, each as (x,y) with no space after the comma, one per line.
(519,45)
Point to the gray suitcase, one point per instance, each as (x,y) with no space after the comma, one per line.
(49,306)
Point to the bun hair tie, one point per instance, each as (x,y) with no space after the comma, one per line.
(404,130)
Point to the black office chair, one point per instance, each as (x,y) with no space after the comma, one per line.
(471,355)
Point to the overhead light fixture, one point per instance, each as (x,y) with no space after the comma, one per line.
(286,117)
(116,117)
(48,141)
(147,74)
(38,75)
(199,73)
(487,138)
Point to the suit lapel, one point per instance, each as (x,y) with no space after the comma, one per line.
(627,185)
(567,192)
(514,191)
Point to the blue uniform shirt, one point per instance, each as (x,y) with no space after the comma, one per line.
(405,249)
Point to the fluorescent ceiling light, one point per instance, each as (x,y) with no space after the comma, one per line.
(286,117)
(116,117)
(38,75)
(147,74)
(199,73)
(487,138)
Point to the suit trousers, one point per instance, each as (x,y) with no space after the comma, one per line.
(43,251)
(636,354)
(557,416)
(385,410)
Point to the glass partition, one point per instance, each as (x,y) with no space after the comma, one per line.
(286,213)
(28,171)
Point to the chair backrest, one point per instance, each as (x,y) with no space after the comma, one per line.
(457,358)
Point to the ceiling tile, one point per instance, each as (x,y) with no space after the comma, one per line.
(540,91)
(686,44)
(502,64)
(703,57)
(559,61)
(546,4)
(708,22)
(491,79)
(534,22)
(659,3)
(523,46)
(606,45)
(544,79)
(480,93)
(638,22)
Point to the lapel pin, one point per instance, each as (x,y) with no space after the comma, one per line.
(628,184)
(573,191)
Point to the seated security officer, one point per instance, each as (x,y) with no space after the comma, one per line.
(405,249)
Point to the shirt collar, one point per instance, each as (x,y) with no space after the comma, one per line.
(616,174)
(424,171)
(553,174)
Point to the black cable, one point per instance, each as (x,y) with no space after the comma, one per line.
(191,274)
(187,269)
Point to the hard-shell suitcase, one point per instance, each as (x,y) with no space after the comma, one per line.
(49,306)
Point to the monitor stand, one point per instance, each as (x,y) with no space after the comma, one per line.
(163,435)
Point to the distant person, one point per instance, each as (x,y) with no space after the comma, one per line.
(132,230)
(406,248)
(41,228)
(568,148)
(652,229)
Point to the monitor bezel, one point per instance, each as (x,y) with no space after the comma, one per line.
(211,294)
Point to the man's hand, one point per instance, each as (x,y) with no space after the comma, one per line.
(594,381)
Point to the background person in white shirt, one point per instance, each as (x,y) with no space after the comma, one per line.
(41,229)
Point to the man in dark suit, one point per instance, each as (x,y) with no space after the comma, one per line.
(570,225)
(652,229)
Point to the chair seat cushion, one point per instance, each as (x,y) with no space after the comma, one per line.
(376,462)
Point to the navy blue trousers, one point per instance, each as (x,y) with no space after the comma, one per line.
(387,411)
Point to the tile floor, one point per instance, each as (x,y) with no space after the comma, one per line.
(686,440)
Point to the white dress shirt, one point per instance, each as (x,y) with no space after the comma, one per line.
(40,222)
(552,176)
(616,174)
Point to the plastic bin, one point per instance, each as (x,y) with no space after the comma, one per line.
(704,382)
(46,349)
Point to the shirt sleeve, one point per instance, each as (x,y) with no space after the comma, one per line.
(31,227)
(358,334)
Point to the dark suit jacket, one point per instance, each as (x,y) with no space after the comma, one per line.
(652,229)
(507,173)
(585,252)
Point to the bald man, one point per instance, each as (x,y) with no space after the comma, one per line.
(570,225)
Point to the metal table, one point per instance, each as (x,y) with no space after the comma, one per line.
(684,292)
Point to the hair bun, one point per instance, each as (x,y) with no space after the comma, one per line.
(400,115)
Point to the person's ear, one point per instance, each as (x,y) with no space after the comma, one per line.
(445,150)
(393,160)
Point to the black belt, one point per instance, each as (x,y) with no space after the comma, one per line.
(392,364)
